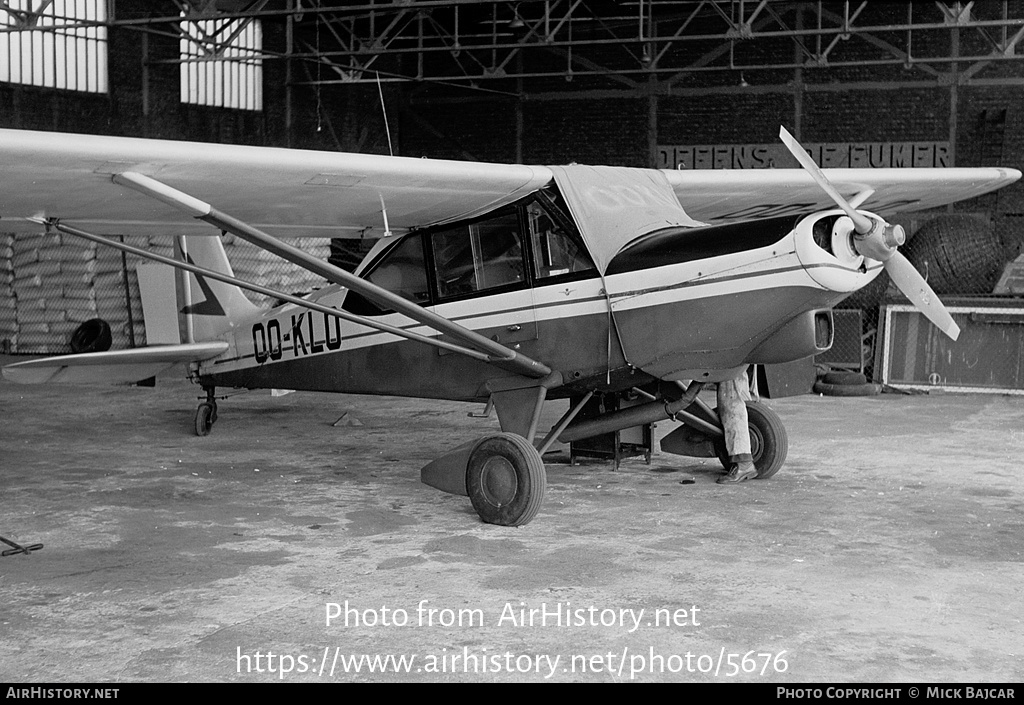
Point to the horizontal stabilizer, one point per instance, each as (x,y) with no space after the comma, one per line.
(112,367)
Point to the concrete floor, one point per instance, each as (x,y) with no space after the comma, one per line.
(890,548)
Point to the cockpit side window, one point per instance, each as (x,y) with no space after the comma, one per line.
(402,270)
(480,256)
(555,251)
(490,255)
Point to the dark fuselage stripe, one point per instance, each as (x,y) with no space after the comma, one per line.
(731,277)
(625,294)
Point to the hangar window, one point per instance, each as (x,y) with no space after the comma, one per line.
(54,44)
(221,64)
(484,255)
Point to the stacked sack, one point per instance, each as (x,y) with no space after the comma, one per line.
(108,288)
(52,283)
(8,310)
(120,308)
(251,263)
(44,267)
(57,282)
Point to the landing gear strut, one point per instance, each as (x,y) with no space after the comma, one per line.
(206,414)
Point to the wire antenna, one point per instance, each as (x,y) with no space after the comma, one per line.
(319,65)
(387,129)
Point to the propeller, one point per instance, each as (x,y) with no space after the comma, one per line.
(878,240)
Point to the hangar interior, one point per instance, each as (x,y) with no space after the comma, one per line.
(643,83)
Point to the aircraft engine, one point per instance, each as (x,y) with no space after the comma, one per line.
(875,239)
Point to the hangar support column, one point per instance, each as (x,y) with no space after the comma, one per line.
(652,121)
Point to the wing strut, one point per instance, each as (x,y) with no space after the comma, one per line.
(498,354)
(266,291)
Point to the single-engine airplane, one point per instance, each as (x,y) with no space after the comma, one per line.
(511,284)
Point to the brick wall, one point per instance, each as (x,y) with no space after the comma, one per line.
(587,132)
(481,131)
(876,116)
(553,131)
(737,118)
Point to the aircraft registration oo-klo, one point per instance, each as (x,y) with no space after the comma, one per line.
(511,284)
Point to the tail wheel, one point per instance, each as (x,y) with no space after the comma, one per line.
(206,414)
(505,479)
(769,442)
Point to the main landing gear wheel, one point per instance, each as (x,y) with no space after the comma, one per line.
(769,442)
(505,479)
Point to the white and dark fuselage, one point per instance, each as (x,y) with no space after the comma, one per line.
(512,283)
(678,303)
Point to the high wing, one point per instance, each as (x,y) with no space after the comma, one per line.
(719,195)
(284,192)
(302,193)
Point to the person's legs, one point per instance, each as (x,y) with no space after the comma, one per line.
(732,409)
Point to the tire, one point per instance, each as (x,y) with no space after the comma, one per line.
(505,480)
(204,419)
(769,442)
(847,390)
(91,336)
(844,378)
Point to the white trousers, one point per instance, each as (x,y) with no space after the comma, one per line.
(732,409)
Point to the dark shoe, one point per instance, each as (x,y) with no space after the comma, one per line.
(740,472)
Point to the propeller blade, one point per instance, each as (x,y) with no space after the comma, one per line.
(914,287)
(879,243)
(858,200)
(861,222)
